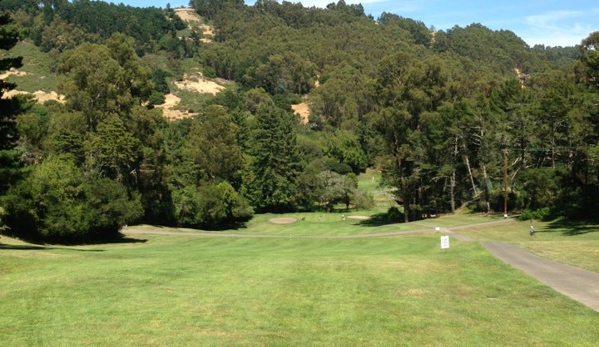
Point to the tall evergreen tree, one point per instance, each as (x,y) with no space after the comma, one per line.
(9,107)
(275,167)
(213,148)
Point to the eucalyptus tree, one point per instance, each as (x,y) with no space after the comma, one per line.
(286,73)
(582,176)
(113,152)
(410,92)
(210,8)
(345,147)
(344,98)
(206,170)
(104,79)
(553,125)
(108,87)
(590,59)
(212,147)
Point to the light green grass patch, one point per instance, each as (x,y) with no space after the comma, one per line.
(37,65)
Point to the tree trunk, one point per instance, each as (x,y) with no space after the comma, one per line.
(486,188)
(452,191)
(453,178)
(474,189)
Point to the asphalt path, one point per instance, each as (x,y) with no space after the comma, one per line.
(579,284)
(576,283)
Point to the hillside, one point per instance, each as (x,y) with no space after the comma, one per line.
(410,34)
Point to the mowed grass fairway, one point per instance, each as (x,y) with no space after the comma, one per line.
(206,291)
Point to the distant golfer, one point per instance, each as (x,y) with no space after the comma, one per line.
(532,229)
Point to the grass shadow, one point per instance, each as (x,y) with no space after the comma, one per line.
(127,239)
(44,248)
(23,247)
(379,219)
(572,228)
(33,245)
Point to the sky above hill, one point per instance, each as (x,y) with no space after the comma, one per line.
(548,22)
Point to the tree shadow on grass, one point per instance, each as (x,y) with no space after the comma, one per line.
(127,239)
(23,247)
(572,228)
(44,248)
(380,219)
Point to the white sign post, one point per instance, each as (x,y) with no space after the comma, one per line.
(444,242)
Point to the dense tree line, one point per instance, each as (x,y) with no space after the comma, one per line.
(437,112)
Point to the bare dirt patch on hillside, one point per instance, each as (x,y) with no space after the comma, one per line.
(195,83)
(303,110)
(522,77)
(169,110)
(198,83)
(40,95)
(191,17)
(11,72)
(43,96)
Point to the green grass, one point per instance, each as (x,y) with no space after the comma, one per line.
(165,290)
(332,224)
(190,291)
(191,101)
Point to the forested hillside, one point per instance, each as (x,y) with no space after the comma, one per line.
(443,114)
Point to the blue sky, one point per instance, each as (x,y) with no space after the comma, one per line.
(548,22)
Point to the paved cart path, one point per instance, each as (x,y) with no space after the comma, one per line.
(579,284)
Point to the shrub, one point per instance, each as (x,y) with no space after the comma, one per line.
(539,214)
(363,200)
(212,207)
(394,215)
(156,98)
(209,72)
(57,204)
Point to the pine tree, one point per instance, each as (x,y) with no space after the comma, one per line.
(275,166)
(9,107)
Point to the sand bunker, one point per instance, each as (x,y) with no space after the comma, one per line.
(282,220)
(359,217)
